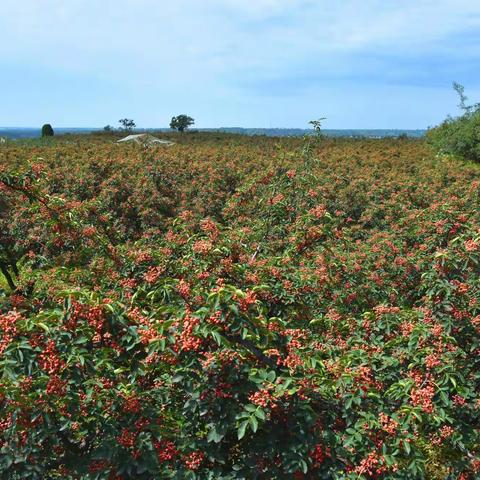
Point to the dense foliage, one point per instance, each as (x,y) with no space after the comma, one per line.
(239,308)
(181,122)
(47,130)
(460,135)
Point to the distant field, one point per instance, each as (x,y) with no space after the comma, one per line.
(239,307)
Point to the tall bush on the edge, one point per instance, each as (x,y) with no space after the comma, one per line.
(459,135)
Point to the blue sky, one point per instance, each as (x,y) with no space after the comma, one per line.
(251,63)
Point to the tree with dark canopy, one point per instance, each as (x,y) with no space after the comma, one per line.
(181,122)
(47,130)
(127,124)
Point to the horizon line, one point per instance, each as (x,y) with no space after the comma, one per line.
(215,128)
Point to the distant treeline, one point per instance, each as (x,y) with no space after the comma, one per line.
(285,132)
(270,132)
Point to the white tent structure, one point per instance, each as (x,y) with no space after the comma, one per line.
(145,139)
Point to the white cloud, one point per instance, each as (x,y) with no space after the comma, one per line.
(216,48)
(77,33)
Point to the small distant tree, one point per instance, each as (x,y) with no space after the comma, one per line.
(47,130)
(127,124)
(317,125)
(108,128)
(181,122)
(309,141)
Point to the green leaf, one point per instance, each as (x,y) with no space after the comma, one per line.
(271,376)
(254,423)
(214,436)
(259,413)
(42,325)
(241,429)
(217,337)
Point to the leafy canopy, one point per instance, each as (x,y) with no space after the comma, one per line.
(127,124)
(181,122)
(47,130)
(459,136)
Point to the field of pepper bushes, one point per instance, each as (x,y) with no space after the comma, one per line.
(238,308)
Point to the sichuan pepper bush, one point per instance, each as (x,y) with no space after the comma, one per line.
(303,315)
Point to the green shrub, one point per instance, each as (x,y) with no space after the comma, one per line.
(47,130)
(459,135)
